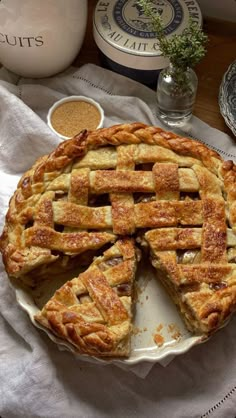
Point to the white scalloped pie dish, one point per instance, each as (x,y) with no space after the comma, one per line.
(155,316)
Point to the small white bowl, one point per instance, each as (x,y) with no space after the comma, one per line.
(74,99)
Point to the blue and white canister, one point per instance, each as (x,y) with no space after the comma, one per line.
(126,40)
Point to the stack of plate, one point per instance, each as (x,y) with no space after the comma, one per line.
(227,97)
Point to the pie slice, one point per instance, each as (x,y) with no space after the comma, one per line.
(94,311)
(173,194)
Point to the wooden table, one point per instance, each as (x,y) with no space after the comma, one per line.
(221,52)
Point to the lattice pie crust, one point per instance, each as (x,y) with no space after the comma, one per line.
(121,188)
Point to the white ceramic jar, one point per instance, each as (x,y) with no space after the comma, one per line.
(41,38)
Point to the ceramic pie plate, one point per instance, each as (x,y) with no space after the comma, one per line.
(227,97)
(159,332)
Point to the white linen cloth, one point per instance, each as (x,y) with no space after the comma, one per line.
(36,379)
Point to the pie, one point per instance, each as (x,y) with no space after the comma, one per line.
(133,186)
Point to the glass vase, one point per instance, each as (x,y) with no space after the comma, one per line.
(176,94)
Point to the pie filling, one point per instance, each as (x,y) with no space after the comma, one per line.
(183,308)
(191,321)
(85,205)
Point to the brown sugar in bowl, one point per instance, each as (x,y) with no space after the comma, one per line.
(68,116)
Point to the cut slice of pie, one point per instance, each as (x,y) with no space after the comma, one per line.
(94,311)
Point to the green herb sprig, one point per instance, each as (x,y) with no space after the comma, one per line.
(183,50)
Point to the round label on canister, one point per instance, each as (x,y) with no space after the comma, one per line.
(125,34)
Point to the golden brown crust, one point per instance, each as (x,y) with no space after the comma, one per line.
(115,181)
(94,311)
